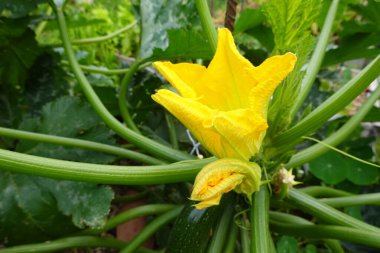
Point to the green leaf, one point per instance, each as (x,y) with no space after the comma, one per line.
(159,16)
(36,209)
(17,56)
(248,19)
(331,168)
(68,117)
(18,8)
(286,244)
(185,44)
(362,174)
(310,248)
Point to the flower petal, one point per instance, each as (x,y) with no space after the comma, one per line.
(181,76)
(227,80)
(243,130)
(269,75)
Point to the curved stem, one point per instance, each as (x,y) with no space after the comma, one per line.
(323,191)
(67,243)
(231,239)
(123,95)
(369,238)
(100,70)
(292,219)
(358,200)
(150,229)
(316,59)
(104,174)
(339,136)
(331,106)
(90,145)
(97,39)
(172,131)
(219,239)
(260,241)
(129,198)
(207,23)
(245,236)
(139,140)
(131,214)
(326,213)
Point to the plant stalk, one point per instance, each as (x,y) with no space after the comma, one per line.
(207,23)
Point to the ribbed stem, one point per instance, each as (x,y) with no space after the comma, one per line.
(324,191)
(260,236)
(326,213)
(219,239)
(231,239)
(207,23)
(365,237)
(336,138)
(139,140)
(90,145)
(331,106)
(357,200)
(105,174)
(67,243)
(150,229)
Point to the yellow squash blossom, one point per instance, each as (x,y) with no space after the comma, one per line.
(225,104)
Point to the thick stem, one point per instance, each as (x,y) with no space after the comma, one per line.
(135,138)
(324,191)
(219,239)
(326,213)
(104,174)
(365,237)
(172,130)
(358,200)
(100,70)
(331,106)
(67,243)
(317,58)
(260,236)
(207,23)
(90,145)
(150,229)
(339,136)
(231,239)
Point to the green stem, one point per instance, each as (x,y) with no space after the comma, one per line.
(207,23)
(323,191)
(218,240)
(326,213)
(104,174)
(245,236)
(41,26)
(100,70)
(129,198)
(231,239)
(336,138)
(358,200)
(331,106)
(131,214)
(67,243)
(123,95)
(316,59)
(260,237)
(97,39)
(90,145)
(292,219)
(133,137)
(172,131)
(150,229)
(369,238)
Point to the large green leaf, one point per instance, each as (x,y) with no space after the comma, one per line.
(331,168)
(18,8)
(68,117)
(36,209)
(17,56)
(286,244)
(159,16)
(185,44)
